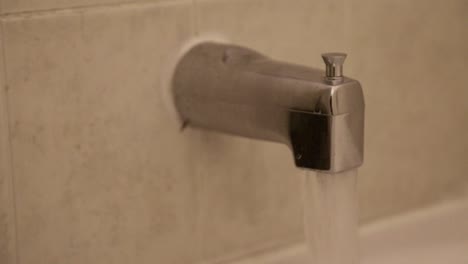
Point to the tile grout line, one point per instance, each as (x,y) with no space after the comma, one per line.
(85,8)
(10,143)
(199,182)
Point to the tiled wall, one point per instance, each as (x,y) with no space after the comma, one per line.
(93,168)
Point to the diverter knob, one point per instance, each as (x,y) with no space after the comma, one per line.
(334,65)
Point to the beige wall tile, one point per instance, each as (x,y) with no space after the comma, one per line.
(7,217)
(408,56)
(101,174)
(14,6)
(296,31)
(248,196)
(251,197)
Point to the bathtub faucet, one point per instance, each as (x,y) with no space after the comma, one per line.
(318,114)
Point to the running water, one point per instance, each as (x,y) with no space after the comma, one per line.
(331,222)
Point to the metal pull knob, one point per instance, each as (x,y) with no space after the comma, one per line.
(334,65)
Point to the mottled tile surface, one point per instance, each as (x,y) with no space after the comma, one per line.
(249,196)
(102,173)
(408,56)
(287,30)
(7,219)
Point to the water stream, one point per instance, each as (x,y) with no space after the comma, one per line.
(330,215)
